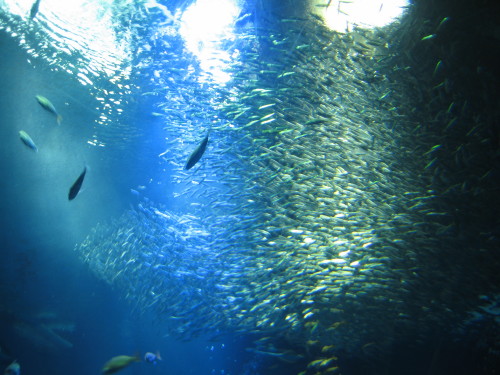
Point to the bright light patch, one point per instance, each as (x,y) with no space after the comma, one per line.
(343,15)
(205,24)
(77,25)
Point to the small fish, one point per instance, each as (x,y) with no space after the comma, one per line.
(27,140)
(48,106)
(288,356)
(75,188)
(13,369)
(152,357)
(432,36)
(443,21)
(34,9)
(244,19)
(119,362)
(437,68)
(197,153)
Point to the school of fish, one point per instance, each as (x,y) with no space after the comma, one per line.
(315,214)
(338,194)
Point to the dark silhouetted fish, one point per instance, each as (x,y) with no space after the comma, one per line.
(197,153)
(34,9)
(75,188)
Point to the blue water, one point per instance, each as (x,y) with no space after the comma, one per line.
(40,272)
(133,126)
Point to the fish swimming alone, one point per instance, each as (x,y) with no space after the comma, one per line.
(13,369)
(27,140)
(152,357)
(48,106)
(34,9)
(75,188)
(119,362)
(197,153)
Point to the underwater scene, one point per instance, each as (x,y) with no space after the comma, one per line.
(250,187)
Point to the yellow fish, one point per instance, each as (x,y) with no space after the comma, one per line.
(327,348)
(119,362)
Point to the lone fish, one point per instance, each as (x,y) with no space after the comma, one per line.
(197,153)
(119,362)
(48,106)
(27,140)
(75,188)
(34,9)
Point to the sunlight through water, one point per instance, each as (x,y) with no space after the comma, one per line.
(87,28)
(342,15)
(205,26)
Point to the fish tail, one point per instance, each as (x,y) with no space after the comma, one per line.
(59,119)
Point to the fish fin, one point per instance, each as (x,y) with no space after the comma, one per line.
(59,119)
(158,355)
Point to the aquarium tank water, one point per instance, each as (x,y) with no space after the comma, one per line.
(250,187)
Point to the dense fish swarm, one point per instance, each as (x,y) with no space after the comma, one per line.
(316,214)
